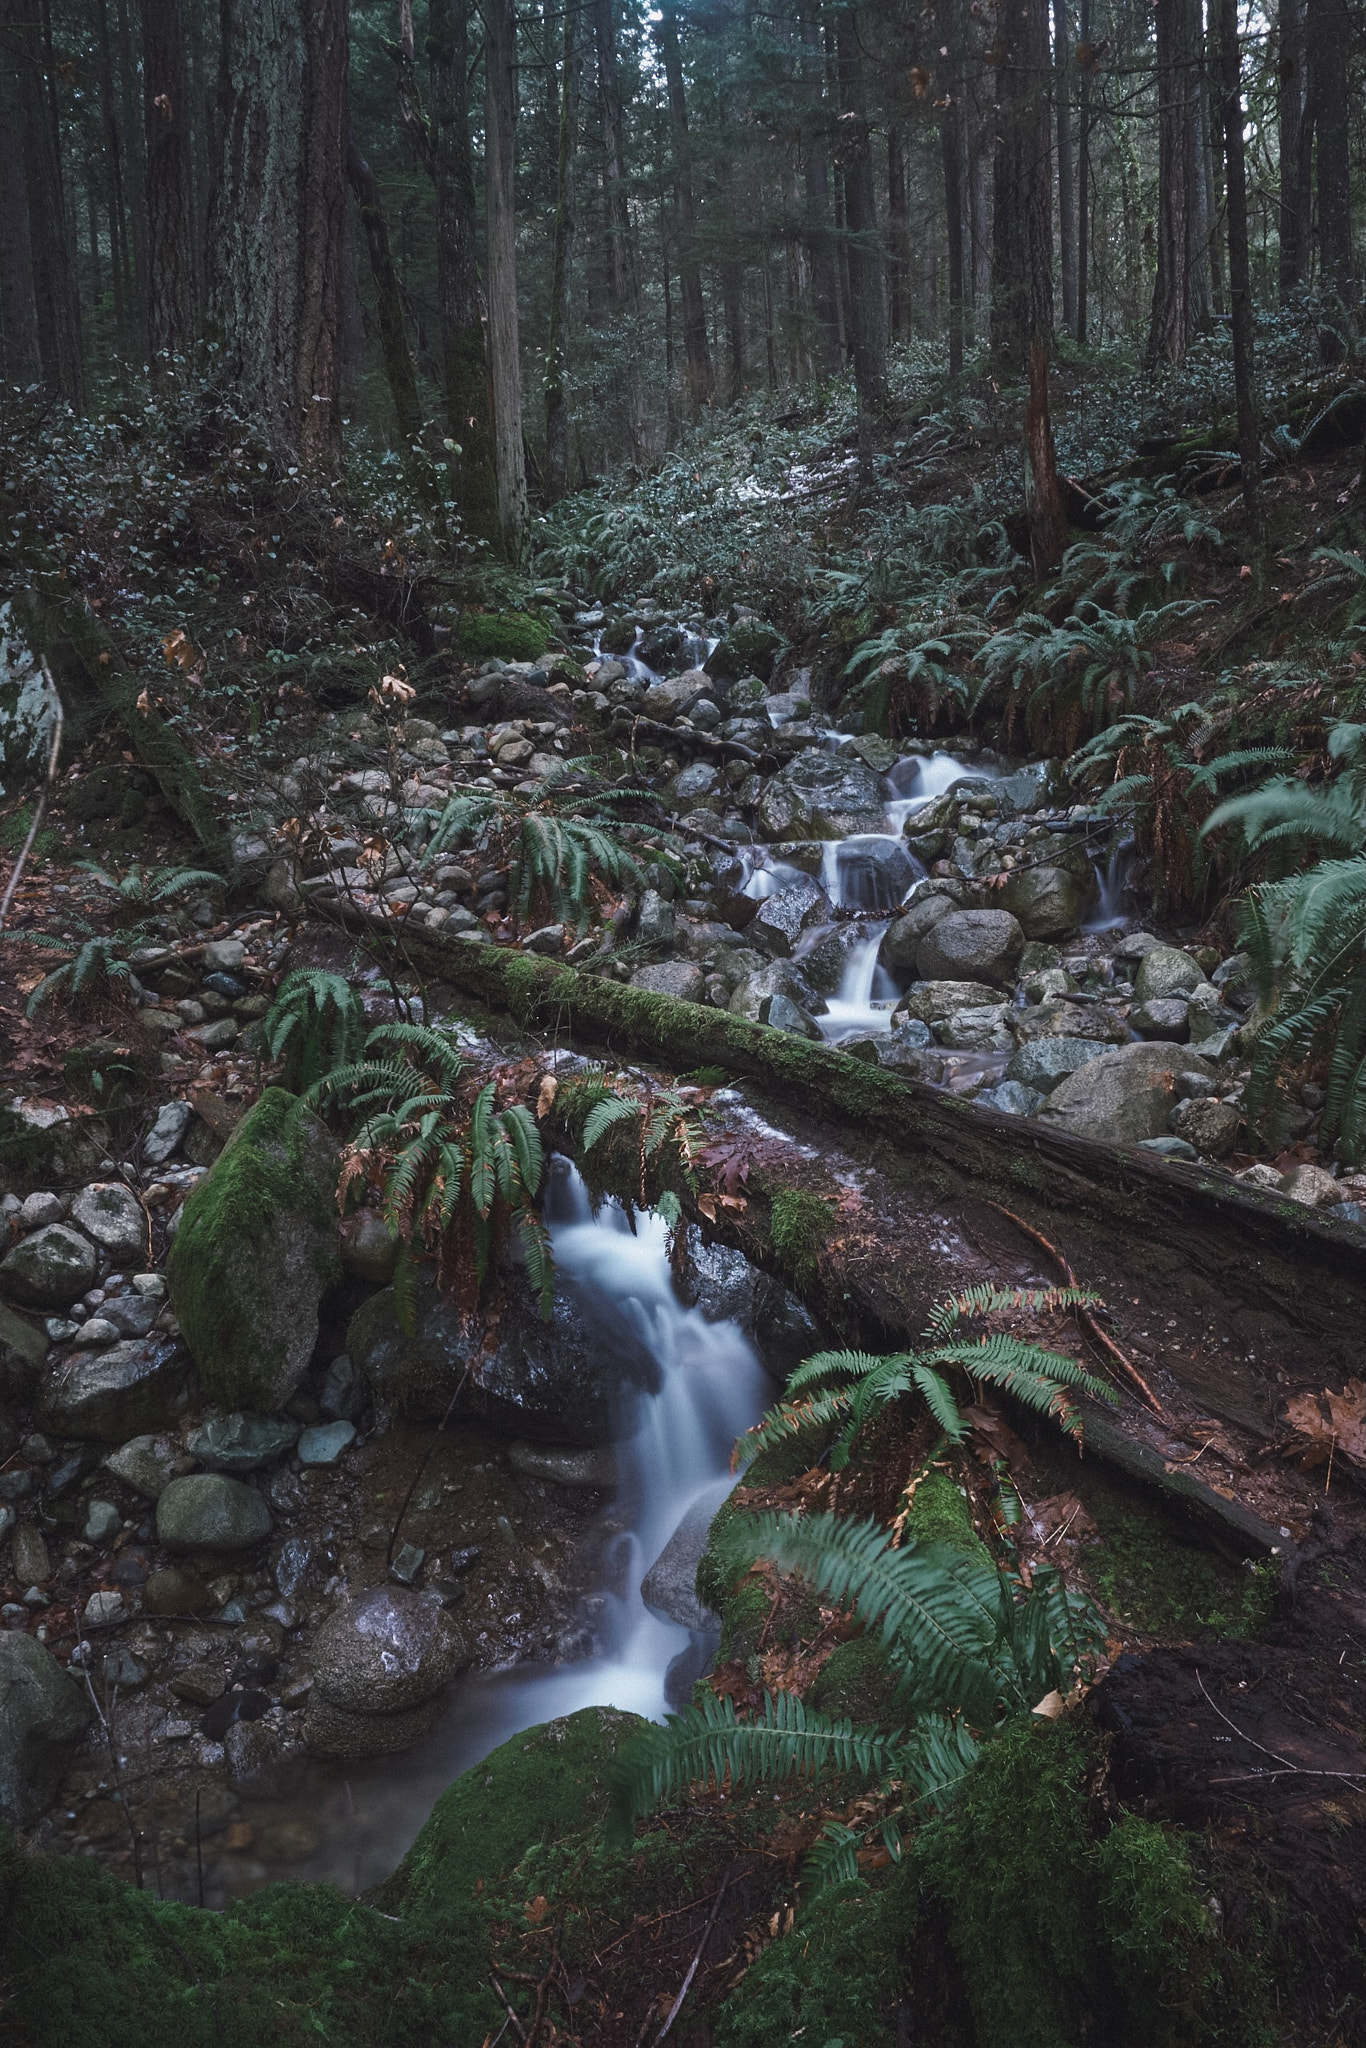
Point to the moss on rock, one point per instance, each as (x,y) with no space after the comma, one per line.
(501,636)
(256,1250)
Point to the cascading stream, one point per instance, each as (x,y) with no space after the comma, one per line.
(711,1388)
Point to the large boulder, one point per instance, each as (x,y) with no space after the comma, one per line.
(385,1650)
(875,872)
(1043,1062)
(752,998)
(23,1350)
(901,940)
(1048,901)
(1163,972)
(681,979)
(256,1251)
(1058,1018)
(727,1288)
(108,1396)
(822,796)
(42,1718)
(932,1001)
(50,1268)
(984,1028)
(670,1584)
(570,1381)
(749,649)
(1126,1095)
(786,914)
(972,945)
(205,1511)
(112,1215)
(674,696)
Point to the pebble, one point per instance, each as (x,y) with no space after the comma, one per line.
(97,1330)
(324,1442)
(103,1608)
(407,1565)
(102,1522)
(39,1209)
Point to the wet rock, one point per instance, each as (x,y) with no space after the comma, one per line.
(972,945)
(875,872)
(333,1732)
(42,1717)
(109,1396)
(256,1250)
(131,1315)
(1126,1095)
(294,1565)
(102,1522)
(112,1215)
(655,920)
(752,996)
(785,1015)
(823,963)
(242,1443)
(96,1330)
(670,1584)
(1312,1186)
(565,1465)
(1061,1019)
(782,918)
(342,1393)
(1165,1017)
(176,1592)
(1165,971)
(1048,901)
(405,1568)
(821,796)
(29,1556)
(569,1381)
(324,1442)
(750,647)
(1013,1098)
(1043,1062)
(1212,1127)
(23,1351)
(166,1133)
(147,1463)
(206,1511)
(263,1763)
(384,1652)
(727,1288)
(49,1269)
(984,1028)
(678,978)
(902,938)
(369,1248)
(673,696)
(932,1001)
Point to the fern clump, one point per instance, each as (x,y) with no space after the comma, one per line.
(315,1024)
(459,1176)
(1064,681)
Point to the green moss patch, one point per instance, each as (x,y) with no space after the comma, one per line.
(500,636)
(799,1224)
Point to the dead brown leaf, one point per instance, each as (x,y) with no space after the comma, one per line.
(1329,1424)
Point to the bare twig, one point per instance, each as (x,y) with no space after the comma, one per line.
(686,1985)
(1287,1770)
(1083,1314)
(41,805)
(506,2004)
(426,1460)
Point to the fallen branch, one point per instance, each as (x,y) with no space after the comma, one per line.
(686,1985)
(1084,1315)
(41,805)
(1287,1770)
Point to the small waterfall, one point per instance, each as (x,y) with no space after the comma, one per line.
(1111,887)
(866,991)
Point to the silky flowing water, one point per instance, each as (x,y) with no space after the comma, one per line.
(711,1387)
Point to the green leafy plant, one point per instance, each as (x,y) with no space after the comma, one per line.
(1064,681)
(315,1024)
(99,962)
(560,836)
(847,1389)
(665,1120)
(145,886)
(459,1176)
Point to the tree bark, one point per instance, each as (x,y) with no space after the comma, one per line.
(1085,66)
(135,160)
(171,324)
(1329,36)
(1022,227)
(398,361)
(19,358)
(1181,294)
(951,156)
(696,347)
(121,272)
(467,391)
(867,263)
(557,352)
(51,240)
(899,236)
(1239,269)
(816,179)
(1296,144)
(1047,519)
(500,145)
(1067,226)
(277,223)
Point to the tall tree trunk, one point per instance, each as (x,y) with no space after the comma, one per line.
(1181,294)
(1295,138)
(1022,227)
(1239,269)
(50,230)
(278,213)
(867,268)
(170,235)
(398,362)
(557,351)
(899,236)
(467,391)
(135,161)
(1067,225)
(113,160)
(696,347)
(625,284)
(951,154)
(500,160)
(816,179)
(19,358)
(1329,35)
(1047,519)
(1085,66)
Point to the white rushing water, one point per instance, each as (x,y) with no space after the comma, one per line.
(711,1388)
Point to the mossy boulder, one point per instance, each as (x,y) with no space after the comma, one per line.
(257,1249)
(501,636)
